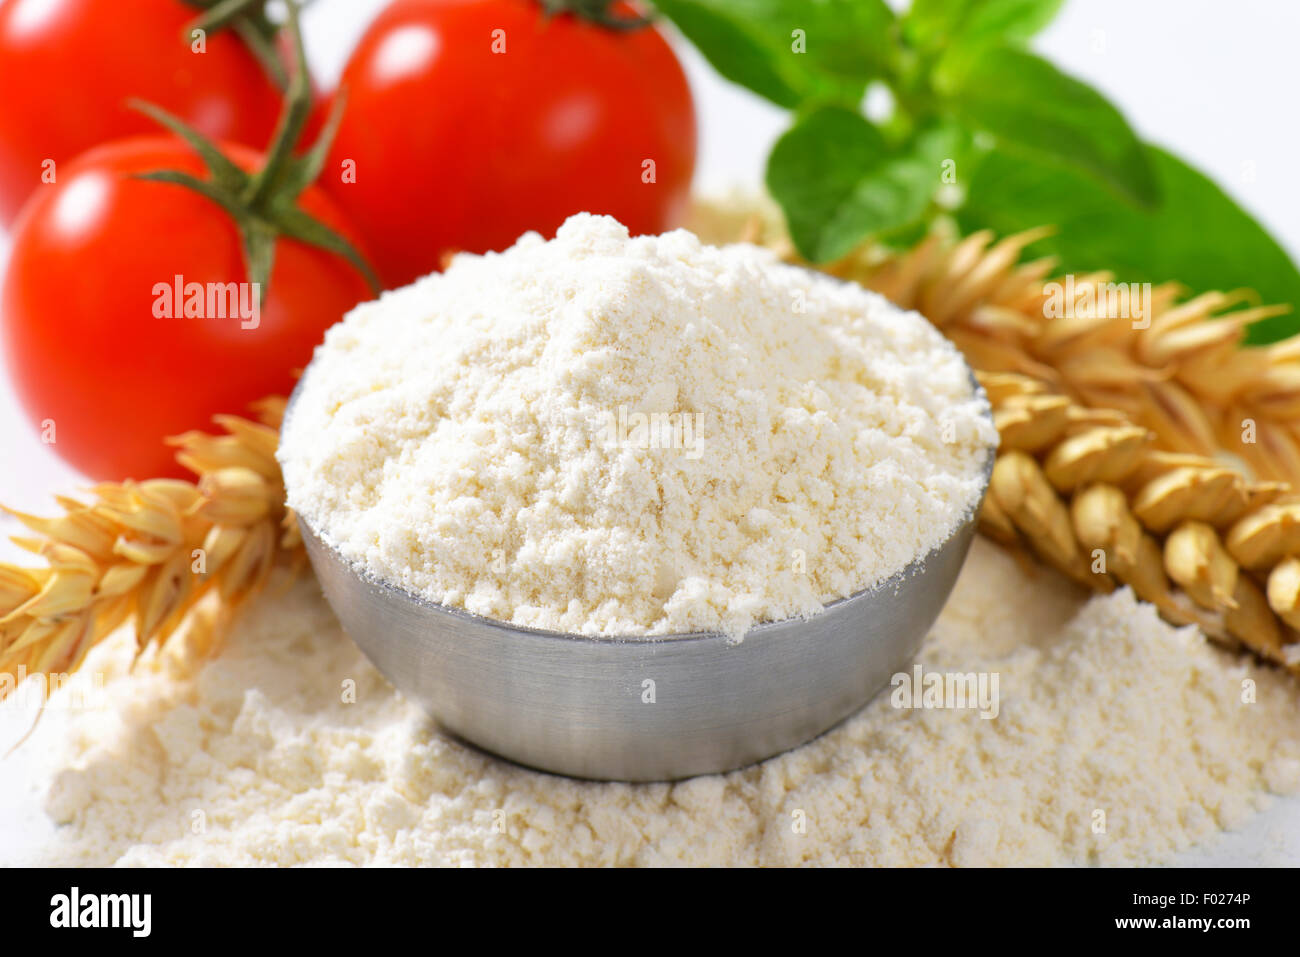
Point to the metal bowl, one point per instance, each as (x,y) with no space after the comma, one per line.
(640,709)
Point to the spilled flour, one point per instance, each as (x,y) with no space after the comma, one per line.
(256,759)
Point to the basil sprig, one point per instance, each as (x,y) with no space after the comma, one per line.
(980,127)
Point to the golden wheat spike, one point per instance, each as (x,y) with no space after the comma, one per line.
(148,551)
(1193,537)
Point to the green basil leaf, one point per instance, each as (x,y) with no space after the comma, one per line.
(791,51)
(1030,105)
(1198,236)
(935,23)
(838,181)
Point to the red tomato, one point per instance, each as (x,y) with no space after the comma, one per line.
(93,257)
(67,67)
(459,147)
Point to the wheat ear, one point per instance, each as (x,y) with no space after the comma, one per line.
(148,551)
(1091,495)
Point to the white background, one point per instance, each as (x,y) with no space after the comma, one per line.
(1215,81)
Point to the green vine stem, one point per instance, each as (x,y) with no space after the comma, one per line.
(598,12)
(264,203)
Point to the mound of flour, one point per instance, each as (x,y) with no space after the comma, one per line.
(290,749)
(608,435)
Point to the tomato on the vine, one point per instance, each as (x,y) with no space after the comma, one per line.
(469,122)
(90,285)
(67,68)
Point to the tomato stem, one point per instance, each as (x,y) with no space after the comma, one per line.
(598,12)
(264,203)
(292,119)
(248,19)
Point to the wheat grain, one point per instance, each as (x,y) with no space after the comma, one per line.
(1197,560)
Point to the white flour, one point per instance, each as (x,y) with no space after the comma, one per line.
(614,436)
(1104,708)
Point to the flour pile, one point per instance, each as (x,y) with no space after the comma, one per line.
(256,759)
(608,435)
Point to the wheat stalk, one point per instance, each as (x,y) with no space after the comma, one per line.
(148,551)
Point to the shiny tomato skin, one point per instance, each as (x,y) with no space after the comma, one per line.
(67,68)
(85,349)
(457,147)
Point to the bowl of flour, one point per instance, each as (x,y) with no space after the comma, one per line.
(636,508)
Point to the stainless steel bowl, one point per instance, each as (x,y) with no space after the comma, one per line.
(640,709)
